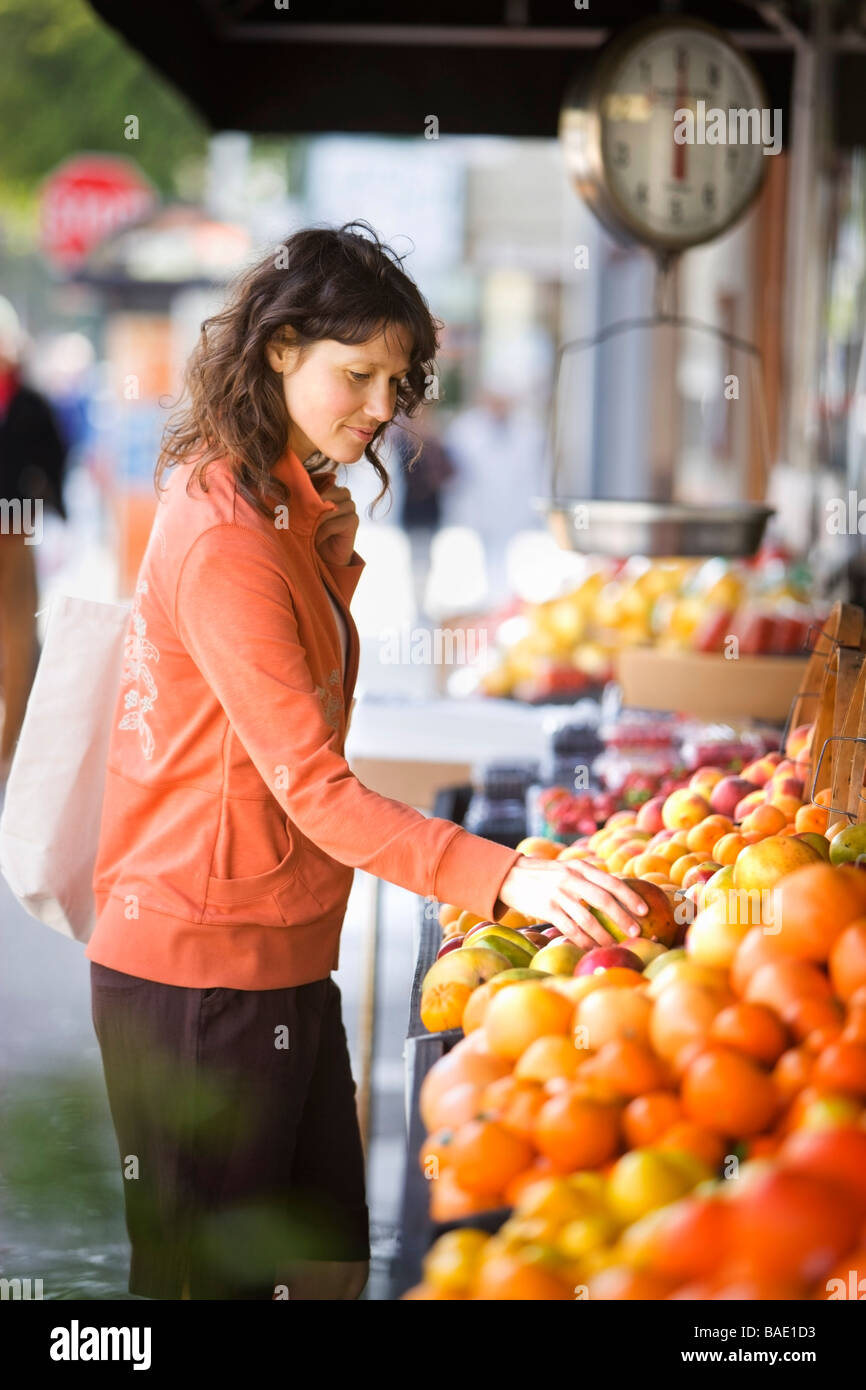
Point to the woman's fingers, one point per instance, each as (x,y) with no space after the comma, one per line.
(598,897)
(558,917)
(615,887)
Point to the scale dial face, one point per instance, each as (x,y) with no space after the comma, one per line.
(619,139)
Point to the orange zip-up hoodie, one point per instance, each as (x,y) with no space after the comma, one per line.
(232,823)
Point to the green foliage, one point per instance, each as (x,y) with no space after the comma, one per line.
(68,84)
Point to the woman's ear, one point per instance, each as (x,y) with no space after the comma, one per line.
(278,355)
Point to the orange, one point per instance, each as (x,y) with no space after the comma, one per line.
(619,1283)
(792,1071)
(846,1280)
(824,797)
(783,984)
(789,806)
(683,1240)
(649,1116)
(841,1068)
(612,1013)
(514,1104)
(509,1275)
(485,1156)
(703,836)
(813,905)
(457,1105)
(815,1022)
(848,959)
(726,849)
(751,1029)
(683,1014)
(540,1168)
(552,1055)
(435,1153)
(757,948)
(791,1225)
(767,819)
(838,1154)
(687,1137)
(449,1201)
(462,1063)
(574,1131)
(442,1005)
(428,1293)
(728,1093)
(516,1017)
(812,818)
(626,1067)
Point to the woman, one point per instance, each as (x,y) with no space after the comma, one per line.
(232,824)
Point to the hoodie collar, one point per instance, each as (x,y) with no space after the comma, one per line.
(306,507)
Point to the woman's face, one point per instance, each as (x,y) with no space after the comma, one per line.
(340,393)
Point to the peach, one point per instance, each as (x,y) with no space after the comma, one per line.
(703,836)
(785,786)
(788,805)
(726,794)
(650,864)
(773,758)
(681,866)
(726,849)
(705,778)
(659,879)
(679,837)
(540,847)
(671,852)
(700,873)
(798,739)
(661,837)
(683,809)
(621,855)
(748,804)
(766,818)
(621,818)
(649,817)
(811,818)
(760,771)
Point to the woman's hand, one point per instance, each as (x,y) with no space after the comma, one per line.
(335,534)
(560,893)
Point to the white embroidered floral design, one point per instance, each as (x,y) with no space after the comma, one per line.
(332,703)
(137,651)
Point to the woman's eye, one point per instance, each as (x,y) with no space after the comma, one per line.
(359,376)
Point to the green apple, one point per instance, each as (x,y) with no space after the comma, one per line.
(660,963)
(558,957)
(647,950)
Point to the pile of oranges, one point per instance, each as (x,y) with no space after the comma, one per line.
(694,1131)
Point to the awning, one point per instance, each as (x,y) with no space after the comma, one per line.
(482,67)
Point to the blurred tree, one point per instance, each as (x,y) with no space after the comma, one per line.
(68,84)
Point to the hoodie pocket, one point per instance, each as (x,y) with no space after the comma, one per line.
(252,899)
(319,889)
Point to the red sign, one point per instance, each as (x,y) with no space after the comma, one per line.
(87,198)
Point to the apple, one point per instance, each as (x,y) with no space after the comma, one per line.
(451,944)
(848,844)
(647,950)
(479,926)
(726,794)
(605,957)
(558,957)
(649,817)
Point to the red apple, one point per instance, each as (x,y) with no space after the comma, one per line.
(450,945)
(605,957)
(479,926)
(649,817)
(699,873)
(728,793)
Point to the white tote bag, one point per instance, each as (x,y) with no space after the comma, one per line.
(49,829)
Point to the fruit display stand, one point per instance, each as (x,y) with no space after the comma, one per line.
(709,685)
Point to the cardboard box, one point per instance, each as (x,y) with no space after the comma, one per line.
(710,686)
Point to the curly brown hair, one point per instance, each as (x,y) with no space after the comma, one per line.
(321,282)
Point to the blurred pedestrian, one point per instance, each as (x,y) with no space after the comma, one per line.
(32,461)
(427,469)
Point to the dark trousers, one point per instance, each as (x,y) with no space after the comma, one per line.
(237,1131)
